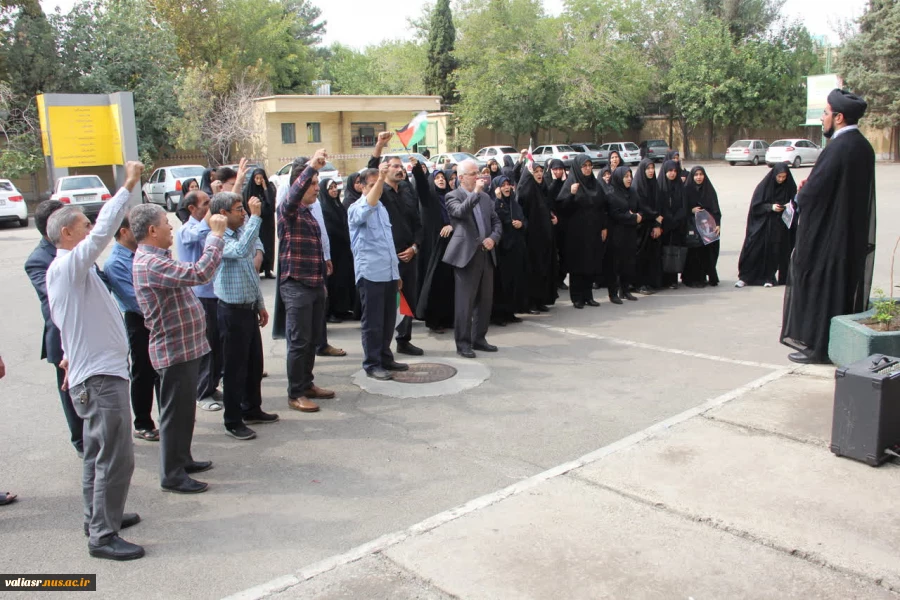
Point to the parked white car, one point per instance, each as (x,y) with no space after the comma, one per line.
(751,151)
(592,150)
(497,153)
(12,204)
(794,152)
(454,158)
(329,171)
(563,152)
(86,191)
(404,158)
(164,186)
(629,151)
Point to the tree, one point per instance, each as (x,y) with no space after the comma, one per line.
(389,68)
(870,65)
(32,60)
(21,152)
(116,45)
(745,18)
(441,64)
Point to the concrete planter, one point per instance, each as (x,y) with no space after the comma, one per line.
(851,341)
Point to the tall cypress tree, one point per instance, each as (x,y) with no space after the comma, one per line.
(32,60)
(441,63)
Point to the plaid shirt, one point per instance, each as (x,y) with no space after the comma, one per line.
(237,281)
(172,312)
(300,254)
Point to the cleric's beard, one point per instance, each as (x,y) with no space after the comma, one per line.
(828,132)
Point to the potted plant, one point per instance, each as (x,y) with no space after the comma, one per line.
(875,331)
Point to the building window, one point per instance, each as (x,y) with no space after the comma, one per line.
(288,133)
(364,135)
(313,133)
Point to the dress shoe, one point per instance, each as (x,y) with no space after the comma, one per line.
(615,299)
(128,520)
(116,549)
(466,353)
(805,358)
(484,347)
(592,302)
(542,308)
(198,466)
(578,304)
(379,374)
(318,393)
(628,296)
(407,348)
(303,404)
(191,486)
(396,366)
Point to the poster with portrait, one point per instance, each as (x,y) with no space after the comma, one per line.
(706,227)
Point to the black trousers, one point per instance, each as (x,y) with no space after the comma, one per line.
(144,378)
(243,359)
(409,275)
(211,363)
(76,423)
(177,413)
(304,308)
(379,313)
(581,287)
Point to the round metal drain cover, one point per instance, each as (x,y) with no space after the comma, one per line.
(424,373)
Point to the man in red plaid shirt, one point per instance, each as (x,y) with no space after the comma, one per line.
(301,283)
(177,324)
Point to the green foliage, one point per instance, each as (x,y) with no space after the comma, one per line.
(885,309)
(19,163)
(441,63)
(32,62)
(744,19)
(390,68)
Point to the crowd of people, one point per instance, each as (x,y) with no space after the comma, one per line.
(461,247)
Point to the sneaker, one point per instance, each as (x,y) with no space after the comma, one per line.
(261,418)
(241,432)
(739,284)
(767,284)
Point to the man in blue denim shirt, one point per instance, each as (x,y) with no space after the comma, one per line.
(242,312)
(144,378)
(377,274)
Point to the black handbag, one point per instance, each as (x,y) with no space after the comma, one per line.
(692,239)
(673,259)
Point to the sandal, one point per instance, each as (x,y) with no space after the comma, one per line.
(148,435)
(209,404)
(7,498)
(331,351)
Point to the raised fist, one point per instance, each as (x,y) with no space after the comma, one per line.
(218,224)
(255,206)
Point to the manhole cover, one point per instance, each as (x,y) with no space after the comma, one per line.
(425,373)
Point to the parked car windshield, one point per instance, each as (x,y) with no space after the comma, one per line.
(631,147)
(780,144)
(593,147)
(461,156)
(80,183)
(187,172)
(6,186)
(566,148)
(661,143)
(508,150)
(741,144)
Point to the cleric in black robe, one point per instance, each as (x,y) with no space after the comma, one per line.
(831,267)
(342,281)
(435,305)
(624,218)
(352,190)
(699,194)
(649,257)
(671,197)
(767,241)
(260,187)
(554,177)
(542,268)
(583,203)
(510,289)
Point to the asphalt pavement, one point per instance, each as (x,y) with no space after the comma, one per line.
(663,448)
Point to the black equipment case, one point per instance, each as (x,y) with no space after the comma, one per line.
(867,410)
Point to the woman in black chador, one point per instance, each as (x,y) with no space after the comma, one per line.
(583,203)
(435,305)
(624,218)
(510,290)
(342,281)
(671,198)
(649,257)
(554,178)
(699,194)
(260,186)
(352,190)
(768,242)
(542,266)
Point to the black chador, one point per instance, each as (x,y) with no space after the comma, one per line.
(768,241)
(671,198)
(624,215)
(342,281)
(700,268)
(649,257)
(510,289)
(542,267)
(436,296)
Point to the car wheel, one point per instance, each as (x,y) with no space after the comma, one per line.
(731,162)
(169,206)
(145,199)
(755,161)
(797,162)
(23,222)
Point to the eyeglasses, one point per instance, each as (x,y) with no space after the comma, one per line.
(238,208)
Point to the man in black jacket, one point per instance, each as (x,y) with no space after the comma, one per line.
(402,204)
(36,267)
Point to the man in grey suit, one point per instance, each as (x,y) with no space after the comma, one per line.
(476,230)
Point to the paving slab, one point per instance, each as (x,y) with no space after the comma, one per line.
(796,406)
(789,494)
(568,539)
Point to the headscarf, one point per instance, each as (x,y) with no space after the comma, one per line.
(609,160)
(645,189)
(670,155)
(186,185)
(618,179)
(587,184)
(350,193)
(703,195)
(492,172)
(260,191)
(498,182)
(769,191)
(324,197)
(452,179)
(555,163)
(206,181)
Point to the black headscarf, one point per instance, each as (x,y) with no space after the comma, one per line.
(618,179)
(645,189)
(452,179)
(587,184)
(703,195)
(498,181)
(264,192)
(206,181)
(555,163)
(769,191)
(493,173)
(350,193)
(323,191)
(609,159)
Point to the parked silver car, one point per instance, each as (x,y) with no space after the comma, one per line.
(592,150)
(563,152)
(751,151)
(794,152)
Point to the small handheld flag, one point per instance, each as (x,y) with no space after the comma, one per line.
(414,132)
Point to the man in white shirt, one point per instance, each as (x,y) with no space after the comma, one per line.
(95,347)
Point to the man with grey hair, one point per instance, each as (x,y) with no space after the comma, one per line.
(242,311)
(95,349)
(177,325)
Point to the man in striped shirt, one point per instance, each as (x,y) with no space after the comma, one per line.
(177,324)
(242,311)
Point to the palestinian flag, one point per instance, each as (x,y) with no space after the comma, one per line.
(414,132)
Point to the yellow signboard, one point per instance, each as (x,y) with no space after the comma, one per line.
(83,136)
(45,142)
